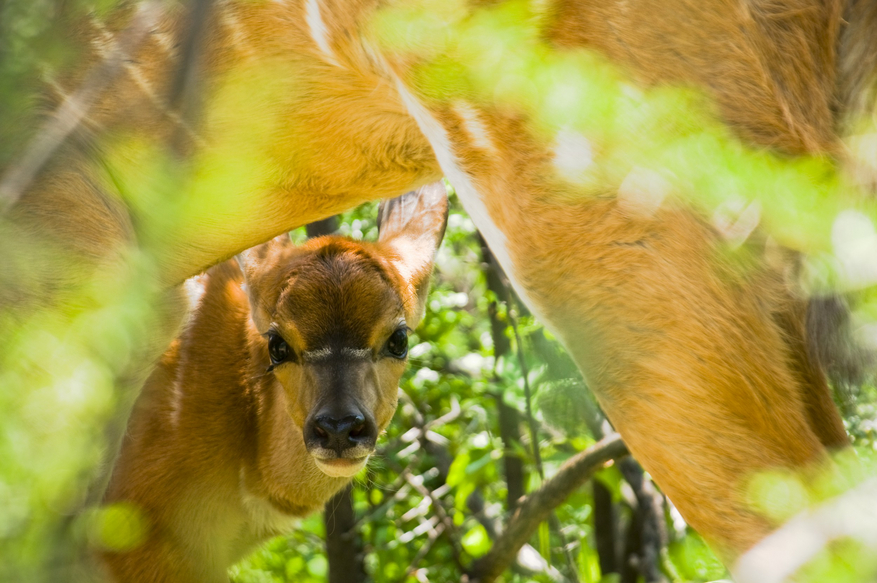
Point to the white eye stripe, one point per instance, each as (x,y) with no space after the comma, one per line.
(356,352)
(317,355)
(327,353)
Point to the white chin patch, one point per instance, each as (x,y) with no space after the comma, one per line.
(341,468)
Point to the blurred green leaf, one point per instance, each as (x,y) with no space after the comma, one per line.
(475,541)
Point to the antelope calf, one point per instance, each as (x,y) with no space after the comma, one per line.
(273,397)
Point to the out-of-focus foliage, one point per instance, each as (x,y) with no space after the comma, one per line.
(60,369)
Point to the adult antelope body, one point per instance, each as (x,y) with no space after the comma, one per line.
(258,414)
(701,365)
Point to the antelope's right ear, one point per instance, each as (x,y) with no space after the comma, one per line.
(262,282)
(412,227)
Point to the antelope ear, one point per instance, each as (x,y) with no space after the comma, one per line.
(411,227)
(262,283)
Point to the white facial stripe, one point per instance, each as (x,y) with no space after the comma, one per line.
(356,352)
(317,355)
(318,30)
(327,353)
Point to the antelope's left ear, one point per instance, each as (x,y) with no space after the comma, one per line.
(411,229)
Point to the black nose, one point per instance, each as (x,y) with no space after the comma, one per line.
(340,433)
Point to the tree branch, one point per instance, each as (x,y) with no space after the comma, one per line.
(343,543)
(605,528)
(537,506)
(509,418)
(427,546)
(649,522)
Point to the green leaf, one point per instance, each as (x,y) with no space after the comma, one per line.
(318,566)
(457,472)
(475,541)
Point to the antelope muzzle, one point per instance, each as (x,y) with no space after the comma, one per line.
(341,432)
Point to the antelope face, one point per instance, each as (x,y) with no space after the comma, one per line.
(338,343)
(335,316)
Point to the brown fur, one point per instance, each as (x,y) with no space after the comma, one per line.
(779,54)
(700,365)
(684,353)
(215,458)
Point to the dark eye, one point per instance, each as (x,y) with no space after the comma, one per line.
(397,345)
(278,349)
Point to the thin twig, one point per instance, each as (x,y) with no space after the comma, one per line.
(534,435)
(497,283)
(450,530)
(531,421)
(400,488)
(442,514)
(566,547)
(424,549)
(509,417)
(445,520)
(446,418)
(421,429)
